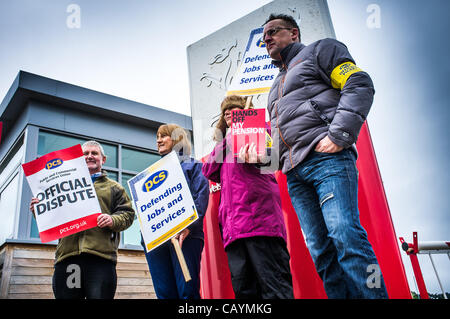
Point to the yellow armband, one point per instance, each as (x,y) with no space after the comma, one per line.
(341,73)
(269,140)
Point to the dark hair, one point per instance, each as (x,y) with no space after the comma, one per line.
(289,21)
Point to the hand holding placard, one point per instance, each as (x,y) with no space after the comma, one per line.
(183,265)
(248,126)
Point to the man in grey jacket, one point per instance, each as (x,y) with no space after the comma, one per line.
(317,105)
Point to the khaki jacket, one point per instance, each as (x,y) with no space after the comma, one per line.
(102,242)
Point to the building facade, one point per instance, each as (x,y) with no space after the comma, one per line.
(41,115)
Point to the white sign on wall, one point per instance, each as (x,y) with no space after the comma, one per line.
(256,73)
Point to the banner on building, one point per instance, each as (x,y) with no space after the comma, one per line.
(256,73)
(68,202)
(162,198)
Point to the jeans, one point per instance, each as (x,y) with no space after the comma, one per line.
(324,193)
(165,269)
(85,276)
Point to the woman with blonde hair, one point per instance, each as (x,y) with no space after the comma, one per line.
(168,279)
(250,217)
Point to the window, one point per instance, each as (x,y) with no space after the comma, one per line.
(49,142)
(8,206)
(137,161)
(122,163)
(133,162)
(10,180)
(113,175)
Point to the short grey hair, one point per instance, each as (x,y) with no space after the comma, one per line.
(94,143)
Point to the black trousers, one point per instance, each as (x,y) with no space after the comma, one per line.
(260,268)
(85,276)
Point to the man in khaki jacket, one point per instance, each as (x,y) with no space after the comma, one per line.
(85,262)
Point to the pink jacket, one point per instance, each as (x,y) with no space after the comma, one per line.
(250,203)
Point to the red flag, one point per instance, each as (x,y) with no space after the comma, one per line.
(375,218)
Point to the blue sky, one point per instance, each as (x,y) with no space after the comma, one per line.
(137,50)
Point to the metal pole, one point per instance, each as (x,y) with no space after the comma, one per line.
(437,276)
(419,278)
(415,284)
(411,250)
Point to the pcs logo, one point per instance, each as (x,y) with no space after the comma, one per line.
(54,163)
(260,43)
(155,181)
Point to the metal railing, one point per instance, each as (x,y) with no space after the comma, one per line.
(430,248)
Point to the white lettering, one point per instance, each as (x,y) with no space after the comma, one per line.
(73,21)
(374,19)
(74,279)
(374,279)
(247,130)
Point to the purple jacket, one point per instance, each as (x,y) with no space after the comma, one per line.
(250,203)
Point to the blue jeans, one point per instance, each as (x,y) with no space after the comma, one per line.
(167,276)
(324,193)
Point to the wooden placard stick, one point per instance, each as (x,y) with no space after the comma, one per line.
(183,265)
(247,103)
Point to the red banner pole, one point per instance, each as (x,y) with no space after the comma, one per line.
(376,218)
(412,250)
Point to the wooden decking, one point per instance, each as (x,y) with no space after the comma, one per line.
(27,269)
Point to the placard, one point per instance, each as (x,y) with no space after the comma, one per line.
(163,201)
(248,126)
(68,202)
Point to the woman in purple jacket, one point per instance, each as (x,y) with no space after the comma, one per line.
(250,218)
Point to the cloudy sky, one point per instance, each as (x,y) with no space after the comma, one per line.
(137,50)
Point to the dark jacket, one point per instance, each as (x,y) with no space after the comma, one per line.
(250,203)
(199,187)
(102,242)
(318,92)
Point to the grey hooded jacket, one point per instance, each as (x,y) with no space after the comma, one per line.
(318,92)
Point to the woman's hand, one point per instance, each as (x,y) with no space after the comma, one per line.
(248,154)
(181,236)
